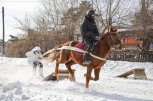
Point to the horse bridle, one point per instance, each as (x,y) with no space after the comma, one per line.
(113,42)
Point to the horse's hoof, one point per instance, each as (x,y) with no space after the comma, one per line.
(86,86)
(72,78)
(51,77)
(85,74)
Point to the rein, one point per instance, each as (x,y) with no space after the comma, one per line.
(79,50)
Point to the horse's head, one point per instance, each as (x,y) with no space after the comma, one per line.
(113,29)
(112,38)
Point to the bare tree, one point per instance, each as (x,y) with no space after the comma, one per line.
(144,22)
(112,12)
(51,13)
(73,17)
(24,24)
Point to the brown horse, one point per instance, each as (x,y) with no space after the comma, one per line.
(69,57)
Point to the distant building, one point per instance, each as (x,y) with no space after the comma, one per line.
(13,38)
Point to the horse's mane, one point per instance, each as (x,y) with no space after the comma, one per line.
(103,35)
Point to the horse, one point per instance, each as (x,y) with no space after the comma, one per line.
(98,56)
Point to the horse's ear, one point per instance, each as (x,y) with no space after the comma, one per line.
(113,29)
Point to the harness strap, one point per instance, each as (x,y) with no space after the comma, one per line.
(48,52)
(79,50)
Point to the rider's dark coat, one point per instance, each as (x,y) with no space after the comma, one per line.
(89,32)
(89,29)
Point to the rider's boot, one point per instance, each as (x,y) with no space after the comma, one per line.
(86,59)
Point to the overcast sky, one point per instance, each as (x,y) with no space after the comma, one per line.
(15,8)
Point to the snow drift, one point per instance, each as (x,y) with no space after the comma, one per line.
(17,83)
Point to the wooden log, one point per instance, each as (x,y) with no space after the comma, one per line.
(64,71)
(62,74)
(126,74)
(139,73)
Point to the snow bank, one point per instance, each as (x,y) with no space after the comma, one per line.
(12,86)
(17,83)
(12,92)
(13,61)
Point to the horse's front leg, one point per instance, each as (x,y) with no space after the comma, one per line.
(88,76)
(96,72)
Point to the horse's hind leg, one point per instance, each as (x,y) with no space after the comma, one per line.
(60,59)
(56,68)
(68,66)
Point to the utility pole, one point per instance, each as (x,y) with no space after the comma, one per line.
(3,24)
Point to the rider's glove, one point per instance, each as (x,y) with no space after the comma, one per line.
(97,38)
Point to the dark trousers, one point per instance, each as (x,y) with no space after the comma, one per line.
(89,47)
(40,65)
(37,63)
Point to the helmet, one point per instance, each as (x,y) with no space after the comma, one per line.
(90,12)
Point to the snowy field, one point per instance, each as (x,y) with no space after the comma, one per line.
(18,84)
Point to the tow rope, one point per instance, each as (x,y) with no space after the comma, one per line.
(79,50)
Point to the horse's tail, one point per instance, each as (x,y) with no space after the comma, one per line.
(51,55)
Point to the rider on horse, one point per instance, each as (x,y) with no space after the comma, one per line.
(90,34)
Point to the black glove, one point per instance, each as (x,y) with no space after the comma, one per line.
(97,38)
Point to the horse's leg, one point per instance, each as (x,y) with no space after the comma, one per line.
(56,68)
(59,60)
(63,56)
(88,76)
(68,66)
(96,72)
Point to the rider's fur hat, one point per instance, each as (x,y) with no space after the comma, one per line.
(37,48)
(91,11)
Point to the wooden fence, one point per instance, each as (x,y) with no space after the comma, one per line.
(134,56)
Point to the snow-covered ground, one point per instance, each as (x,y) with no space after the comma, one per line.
(17,83)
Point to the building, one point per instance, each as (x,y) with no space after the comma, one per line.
(133,46)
